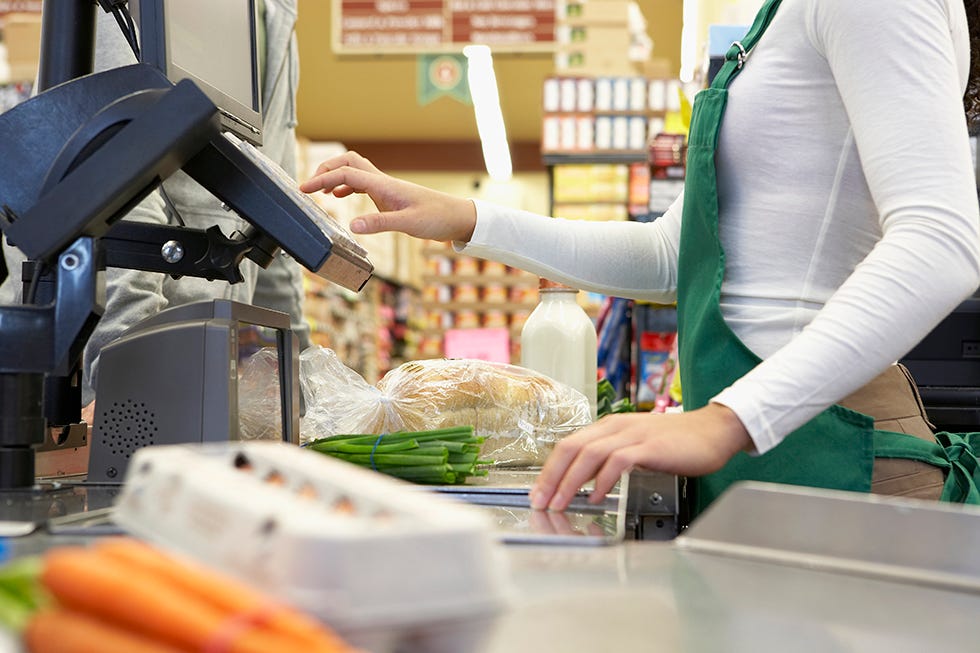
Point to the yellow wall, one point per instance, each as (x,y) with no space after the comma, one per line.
(373,98)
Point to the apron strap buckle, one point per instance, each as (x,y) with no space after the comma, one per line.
(738,54)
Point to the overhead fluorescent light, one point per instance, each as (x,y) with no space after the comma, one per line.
(486,107)
(689,40)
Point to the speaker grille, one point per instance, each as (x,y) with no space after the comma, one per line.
(127,426)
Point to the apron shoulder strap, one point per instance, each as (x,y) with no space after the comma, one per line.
(739,51)
(954,453)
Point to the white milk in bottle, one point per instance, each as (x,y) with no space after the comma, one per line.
(559,340)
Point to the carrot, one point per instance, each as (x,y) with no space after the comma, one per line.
(57,630)
(221,591)
(101,586)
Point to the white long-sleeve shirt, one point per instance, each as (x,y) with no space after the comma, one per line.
(847,200)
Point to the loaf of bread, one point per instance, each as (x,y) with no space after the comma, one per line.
(520,412)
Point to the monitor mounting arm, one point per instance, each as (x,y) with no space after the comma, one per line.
(99,144)
(58,224)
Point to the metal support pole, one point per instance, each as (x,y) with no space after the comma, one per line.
(67,41)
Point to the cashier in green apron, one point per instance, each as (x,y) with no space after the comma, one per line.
(829,221)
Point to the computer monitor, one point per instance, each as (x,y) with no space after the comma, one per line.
(177,377)
(214,44)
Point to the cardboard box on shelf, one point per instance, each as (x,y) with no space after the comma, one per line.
(654,68)
(596,12)
(595,62)
(595,50)
(595,36)
(22,38)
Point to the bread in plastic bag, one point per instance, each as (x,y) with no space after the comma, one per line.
(338,400)
(519,412)
(259,404)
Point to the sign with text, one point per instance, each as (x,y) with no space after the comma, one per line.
(419,26)
(27,6)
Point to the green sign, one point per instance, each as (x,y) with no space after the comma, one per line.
(442,74)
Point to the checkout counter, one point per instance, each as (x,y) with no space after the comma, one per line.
(767,568)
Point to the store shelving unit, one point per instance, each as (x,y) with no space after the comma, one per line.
(462,292)
(372,331)
(592,176)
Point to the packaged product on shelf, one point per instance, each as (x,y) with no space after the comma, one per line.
(620,132)
(637,94)
(466,292)
(566,133)
(495,293)
(439,265)
(551,134)
(466,266)
(436,319)
(637,139)
(494,269)
(657,362)
(495,319)
(569,94)
(430,346)
(437,293)
(603,133)
(524,295)
(620,94)
(585,95)
(519,412)
(657,97)
(674,91)
(466,319)
(518,318)
(585,133)
(604,94)
(551,94)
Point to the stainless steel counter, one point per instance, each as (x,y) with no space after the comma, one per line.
(767,569)
(650,596)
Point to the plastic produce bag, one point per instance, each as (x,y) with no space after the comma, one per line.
(336,398)
(519,412)
(259,406)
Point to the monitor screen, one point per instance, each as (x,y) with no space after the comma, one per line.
(178,37)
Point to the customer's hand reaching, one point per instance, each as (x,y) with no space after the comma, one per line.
(402,206)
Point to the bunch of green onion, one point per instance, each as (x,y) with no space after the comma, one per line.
(436,457)
(607,403)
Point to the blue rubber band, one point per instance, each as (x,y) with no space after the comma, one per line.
(375,448)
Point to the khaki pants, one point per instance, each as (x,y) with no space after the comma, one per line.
(892,399)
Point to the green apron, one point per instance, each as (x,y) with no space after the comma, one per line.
(834,450)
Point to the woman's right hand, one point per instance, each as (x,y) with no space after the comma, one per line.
(402,206)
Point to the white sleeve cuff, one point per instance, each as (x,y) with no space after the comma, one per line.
(752,417)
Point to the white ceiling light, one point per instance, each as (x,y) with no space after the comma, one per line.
(486,106)
(689,40)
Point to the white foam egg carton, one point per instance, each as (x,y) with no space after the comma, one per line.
(372,556)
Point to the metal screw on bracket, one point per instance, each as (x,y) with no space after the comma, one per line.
(172,251)
(111,472)
(655,499)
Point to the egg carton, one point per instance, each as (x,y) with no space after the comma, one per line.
(376,558)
